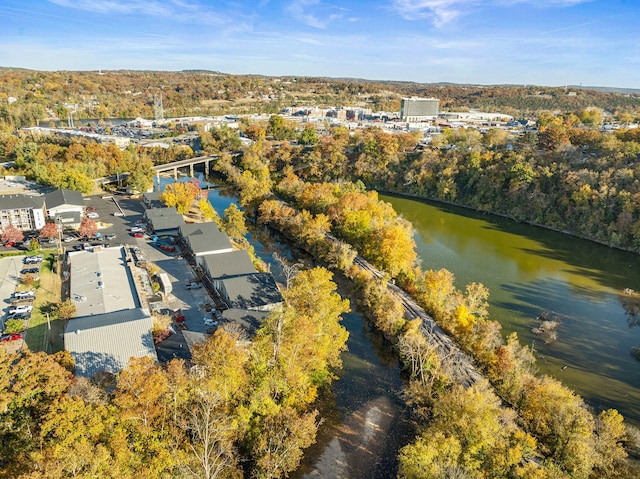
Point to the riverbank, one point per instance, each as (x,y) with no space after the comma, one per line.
(463,206)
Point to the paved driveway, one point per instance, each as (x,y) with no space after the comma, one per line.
(191,301)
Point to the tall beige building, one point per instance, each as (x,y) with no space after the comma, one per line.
(419,109)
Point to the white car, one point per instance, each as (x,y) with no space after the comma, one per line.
(23,308)
(23,294)
(137,229)
(69,239)
(32,259)
(118,213)
(93,215)
(210,322)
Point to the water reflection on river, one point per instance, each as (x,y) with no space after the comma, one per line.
(529,270)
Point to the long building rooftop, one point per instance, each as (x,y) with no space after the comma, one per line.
(101,282)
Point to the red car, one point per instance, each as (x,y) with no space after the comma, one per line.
(178,316)
(168,248)
(9,244)
(11,337)
(90,209)
(138,235)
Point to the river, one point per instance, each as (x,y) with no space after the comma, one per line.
(530,270)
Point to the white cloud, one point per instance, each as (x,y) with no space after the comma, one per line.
(314,13)
(440,12)
(175,10)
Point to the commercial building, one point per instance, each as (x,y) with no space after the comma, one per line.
(204,238)
(419,109)
(110,326)
(65,207)
(164,221)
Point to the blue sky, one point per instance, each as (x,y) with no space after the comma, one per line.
(543,42)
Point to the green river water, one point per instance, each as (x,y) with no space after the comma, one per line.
(530,270)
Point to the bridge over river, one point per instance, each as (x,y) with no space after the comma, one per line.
(174,166)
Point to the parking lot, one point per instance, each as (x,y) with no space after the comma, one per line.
(191,302)
(105,207)
(10,268)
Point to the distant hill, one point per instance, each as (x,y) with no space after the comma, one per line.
(204,72)
(608,89)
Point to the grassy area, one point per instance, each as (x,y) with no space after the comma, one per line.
(39,336)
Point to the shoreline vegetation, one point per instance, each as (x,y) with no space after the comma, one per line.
(509,365)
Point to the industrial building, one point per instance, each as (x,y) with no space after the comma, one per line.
(110,326)
(419,109)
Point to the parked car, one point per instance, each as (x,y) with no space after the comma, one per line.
(137,229)
(118,213)
(210,322)
(11,337)
(25,315)
(24,294)
(90,209)
(138,235)
(9,244)
(93,215)
(23,308)
(69,239)
(194,285)
(107,197)
(178,316)
(168,248)
(32,259)
(110,237)
(30,271)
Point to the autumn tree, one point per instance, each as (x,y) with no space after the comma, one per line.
(278,128)
(72,438)
(87,228)
(11,233)
(50,230)
(181,195)
(215,417)
(297,352)
(561,422)
(234,222)
(308,136)
(255,132)
(142,396)
(208,211)
(30,383)
(65,309)
(470,434)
